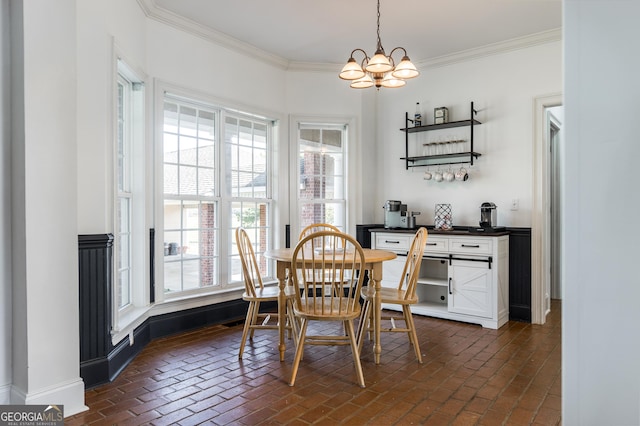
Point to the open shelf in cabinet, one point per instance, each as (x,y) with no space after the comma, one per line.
(440,159)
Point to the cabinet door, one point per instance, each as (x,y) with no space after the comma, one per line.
(470,288)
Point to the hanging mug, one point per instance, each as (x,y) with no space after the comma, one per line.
(449,176)
(462,174)
(427,175)
(438,176)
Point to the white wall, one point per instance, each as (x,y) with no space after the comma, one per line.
(601,319)
(45,355)
(100,26)
(503,88)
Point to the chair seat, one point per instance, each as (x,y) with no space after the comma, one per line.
(389,295)
(267,294)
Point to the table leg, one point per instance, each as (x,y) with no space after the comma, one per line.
(281,274)
(376,276)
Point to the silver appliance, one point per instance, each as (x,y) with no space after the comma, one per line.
(488,215)
(397,216)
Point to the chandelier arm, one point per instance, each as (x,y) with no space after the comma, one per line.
(359,50)
(397,48)
(393,62)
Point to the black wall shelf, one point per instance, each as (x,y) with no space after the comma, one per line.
(440,159)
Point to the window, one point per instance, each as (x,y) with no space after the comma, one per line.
(129,176)
(246,145)
(216,177)
(322,175)
(123,201)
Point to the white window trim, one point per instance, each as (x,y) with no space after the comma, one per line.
(131,316)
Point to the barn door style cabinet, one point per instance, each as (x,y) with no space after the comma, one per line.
(463,278)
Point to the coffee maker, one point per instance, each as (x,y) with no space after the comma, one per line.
(488,215)
(397,216)
(488,218)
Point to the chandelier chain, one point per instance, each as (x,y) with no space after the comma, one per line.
(379,42)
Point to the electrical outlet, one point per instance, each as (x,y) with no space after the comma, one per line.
(515,204)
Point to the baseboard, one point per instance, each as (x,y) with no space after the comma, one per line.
(103,370)
(69,394)
(520,313)
(5,394)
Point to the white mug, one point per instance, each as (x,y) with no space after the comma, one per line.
(448,176)
(438,176)
(427,175)
(462,174)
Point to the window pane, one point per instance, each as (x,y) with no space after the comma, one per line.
(190,215)
(322,183)
(124,288)
(121,140)
(332,140)
(206,125)
(170,118)
(187,119)
(170,148)
(188,180)
(190,274)
(206,154)
(188,150)
(170,179)
(322,213)
(206,179)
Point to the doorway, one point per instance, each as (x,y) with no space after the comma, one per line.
(555,117)
(547,127)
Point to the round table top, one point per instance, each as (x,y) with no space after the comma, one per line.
(370,255)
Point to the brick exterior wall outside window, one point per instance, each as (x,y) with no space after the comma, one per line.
(207,244)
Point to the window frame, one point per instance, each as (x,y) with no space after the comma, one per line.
(124,317)
(352,199)
(225,233)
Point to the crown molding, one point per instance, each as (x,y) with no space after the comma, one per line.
(462,56)
(153,11)
(494,49)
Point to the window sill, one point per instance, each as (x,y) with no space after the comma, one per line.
(128,322)
(135,317)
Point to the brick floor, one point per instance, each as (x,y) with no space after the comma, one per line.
(470,376)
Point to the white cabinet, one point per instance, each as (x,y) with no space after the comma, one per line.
(462,277)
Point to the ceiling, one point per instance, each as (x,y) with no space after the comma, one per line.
(326,31)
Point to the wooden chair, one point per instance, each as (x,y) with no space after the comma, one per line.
(315,227)
(403,295)
(255,292)
(315,263)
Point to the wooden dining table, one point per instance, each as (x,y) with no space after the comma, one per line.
(373,263)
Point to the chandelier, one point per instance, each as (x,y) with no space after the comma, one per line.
(380,70)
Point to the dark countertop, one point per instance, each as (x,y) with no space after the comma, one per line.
(458,230)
